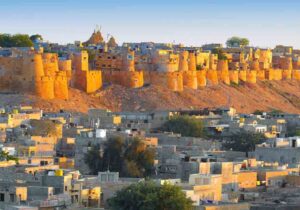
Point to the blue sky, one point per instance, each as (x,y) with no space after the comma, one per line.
(191,22)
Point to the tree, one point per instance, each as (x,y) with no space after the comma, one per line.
(148,196)
(258,112)
(4,156)
(237,42)
(292,129)
(93,160)
(130,157)
(244,141)
(185,125)
(17,40)
(35,37)
(244,42)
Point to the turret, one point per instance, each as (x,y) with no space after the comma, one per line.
(183,61)
(192,61)
(80,61)
(175,81)
(50,61)
(37,66)
(190,79)
(128,60)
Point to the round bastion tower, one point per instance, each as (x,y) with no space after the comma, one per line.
(183,61)
(128,60)
(44,85)
(192,61)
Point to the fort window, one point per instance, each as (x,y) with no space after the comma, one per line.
(12,197)
(294,143)
(103,65)
(32,60)
(114,57)
(1,196)
(108,57)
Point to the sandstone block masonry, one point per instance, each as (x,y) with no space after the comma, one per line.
(34,72)
(191,69)
(48,76)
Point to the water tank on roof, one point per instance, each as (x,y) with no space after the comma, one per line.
(59,172)
(50,173)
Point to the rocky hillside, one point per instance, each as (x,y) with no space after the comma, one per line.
(246,98)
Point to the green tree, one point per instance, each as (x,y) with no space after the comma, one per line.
(5,40)
(139,156)
(93,159)
(4,156)
(243,141)
(17,40)
(258,112)
(244,42)
(130,157)
(149,196)
(185,125)
(237,42)
(292,129)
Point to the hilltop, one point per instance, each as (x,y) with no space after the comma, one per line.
(246,98)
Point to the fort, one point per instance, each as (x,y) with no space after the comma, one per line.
(178,67)
(135,64)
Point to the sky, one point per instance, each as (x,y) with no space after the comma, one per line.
(265,23)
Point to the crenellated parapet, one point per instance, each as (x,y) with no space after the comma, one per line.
(50,63)
(44,87)
(84,78)
(49,76)
(61,85)
(34,72)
